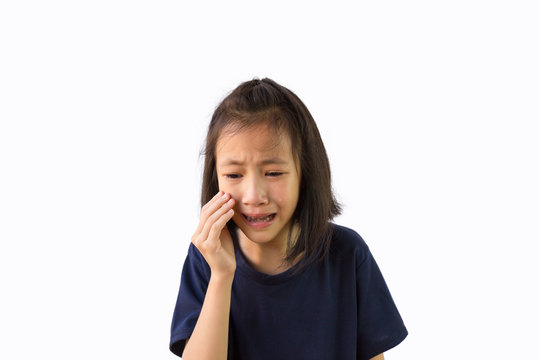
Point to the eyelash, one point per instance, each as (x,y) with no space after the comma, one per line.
(237,176)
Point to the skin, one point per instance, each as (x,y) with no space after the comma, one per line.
(210,336)
(259,171)
(257,174)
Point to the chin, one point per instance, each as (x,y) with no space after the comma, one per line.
(257,237)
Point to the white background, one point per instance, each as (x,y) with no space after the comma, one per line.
(429,111)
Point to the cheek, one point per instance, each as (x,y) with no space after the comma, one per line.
(280,196)
(234,194)
(223,186)
(220,185)
(227,188)
(291,197)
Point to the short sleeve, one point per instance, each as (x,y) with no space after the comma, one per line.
(380,326)
(193,285)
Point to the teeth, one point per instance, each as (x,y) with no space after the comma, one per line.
(259,219)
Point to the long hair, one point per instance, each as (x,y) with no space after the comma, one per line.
(264,101)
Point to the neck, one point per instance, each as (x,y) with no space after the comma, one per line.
(267,257)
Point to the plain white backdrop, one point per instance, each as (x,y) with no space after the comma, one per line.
(429,111)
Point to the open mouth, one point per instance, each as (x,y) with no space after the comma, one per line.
(259,219)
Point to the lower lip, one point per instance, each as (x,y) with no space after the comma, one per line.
(259,224)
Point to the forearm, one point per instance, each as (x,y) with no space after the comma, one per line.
(209,340)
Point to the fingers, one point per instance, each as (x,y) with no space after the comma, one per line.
(217,221)
(212,237)
(218,226)
(210,207)
(211,212)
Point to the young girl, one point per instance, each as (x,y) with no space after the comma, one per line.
(267,276)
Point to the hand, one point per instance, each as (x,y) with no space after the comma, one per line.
(212,237)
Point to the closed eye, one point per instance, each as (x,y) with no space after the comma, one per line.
(274,173)
(233,176)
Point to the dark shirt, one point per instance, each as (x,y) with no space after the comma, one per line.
(338,308)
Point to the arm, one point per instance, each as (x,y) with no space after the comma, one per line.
(209,339)
(378,357)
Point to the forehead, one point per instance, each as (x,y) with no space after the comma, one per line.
(253,144)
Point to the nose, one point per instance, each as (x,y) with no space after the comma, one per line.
(254,192)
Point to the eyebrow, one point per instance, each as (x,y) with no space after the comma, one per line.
(269,161)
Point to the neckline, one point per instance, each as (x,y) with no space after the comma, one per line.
(243,266)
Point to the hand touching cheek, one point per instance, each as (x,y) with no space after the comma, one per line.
(212,237)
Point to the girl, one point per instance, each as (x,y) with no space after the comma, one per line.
(267,276)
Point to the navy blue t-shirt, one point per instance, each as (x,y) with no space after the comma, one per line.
(339,308)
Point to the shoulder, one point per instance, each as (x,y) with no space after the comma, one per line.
(195,262)
(347,242)
(194,255)
(346,238)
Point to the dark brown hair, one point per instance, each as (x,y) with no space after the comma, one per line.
(266,102)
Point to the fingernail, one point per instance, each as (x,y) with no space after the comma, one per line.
(224,196)
(230,201)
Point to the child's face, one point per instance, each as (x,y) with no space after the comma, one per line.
(258,169)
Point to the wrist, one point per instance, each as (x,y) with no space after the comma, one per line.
(224,278)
